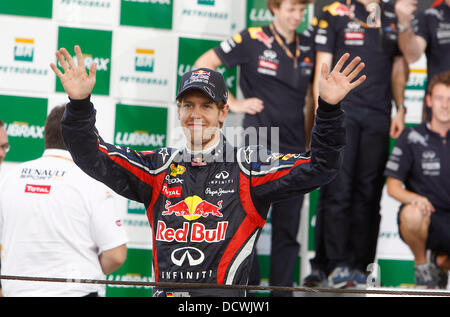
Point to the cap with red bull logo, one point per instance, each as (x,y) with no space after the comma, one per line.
(206,80)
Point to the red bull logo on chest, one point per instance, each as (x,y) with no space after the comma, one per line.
(193,208)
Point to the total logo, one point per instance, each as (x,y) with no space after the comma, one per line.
(193,208)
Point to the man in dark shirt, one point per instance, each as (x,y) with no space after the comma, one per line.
(276,66)
(418,176)
(348,218)
(428,32)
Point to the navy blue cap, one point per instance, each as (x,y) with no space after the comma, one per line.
(206,80)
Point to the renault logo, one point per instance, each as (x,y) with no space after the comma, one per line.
(192,255)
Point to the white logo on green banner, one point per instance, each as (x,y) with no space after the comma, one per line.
(96,47)
(140,127)
(24,120)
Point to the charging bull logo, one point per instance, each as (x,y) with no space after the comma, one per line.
(337,8)
(193,208)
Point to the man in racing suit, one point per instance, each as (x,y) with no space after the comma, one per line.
(206,207)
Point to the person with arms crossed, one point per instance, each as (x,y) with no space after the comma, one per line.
(4,148)
(56,221)
(348,218)
(276,68)
(206,203)
(418,177)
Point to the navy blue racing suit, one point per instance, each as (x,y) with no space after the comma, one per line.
(206,213)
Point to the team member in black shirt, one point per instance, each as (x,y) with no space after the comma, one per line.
(348,218)
(428,33)
(421,162)
(276,65)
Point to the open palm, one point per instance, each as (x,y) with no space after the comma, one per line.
(75,80)
(334,86)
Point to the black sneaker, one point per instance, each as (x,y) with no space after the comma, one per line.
(317,278)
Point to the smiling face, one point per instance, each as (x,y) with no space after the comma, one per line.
(439,102)
(201,118)
(289,14)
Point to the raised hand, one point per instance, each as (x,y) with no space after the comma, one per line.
(334,86)
(75,80)
(404,9)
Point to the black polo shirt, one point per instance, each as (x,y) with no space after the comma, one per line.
(434,26)
(421,160)
(267,73)
(338,33)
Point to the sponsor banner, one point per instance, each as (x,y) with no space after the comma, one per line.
(87,11)
(147,13)
(390,246)
(141,128)
(396,273)
(96,48)
(212,17)
(104,115)
(191,49)
(137,226)
(24,120)
(27,47)
(31,8)
(259,15)
(144,64)
(137,268)
(415,90)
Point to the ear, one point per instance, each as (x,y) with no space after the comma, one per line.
(223,113)
(428,100)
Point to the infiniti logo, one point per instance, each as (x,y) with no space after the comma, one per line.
(223,175)
(193,255)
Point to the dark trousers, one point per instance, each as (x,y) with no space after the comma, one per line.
(348,213)
(285,248)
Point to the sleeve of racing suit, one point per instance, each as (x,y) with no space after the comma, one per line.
(291,174)
(125,171)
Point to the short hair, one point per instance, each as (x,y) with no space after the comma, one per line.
(277,3)
(441,78)
(1,124)
(53,136)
